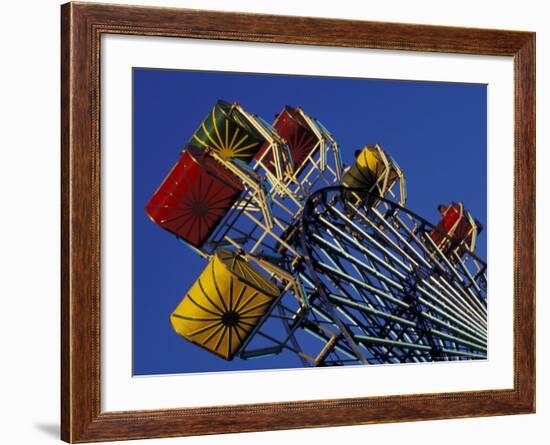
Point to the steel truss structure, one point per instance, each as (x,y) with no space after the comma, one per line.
(360,279)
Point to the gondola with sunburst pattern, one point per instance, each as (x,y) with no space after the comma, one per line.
(228,132)
(224,305)
(194,197)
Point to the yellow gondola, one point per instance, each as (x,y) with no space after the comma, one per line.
(224,305)
(376,173)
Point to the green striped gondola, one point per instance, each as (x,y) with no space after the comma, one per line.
(228,133)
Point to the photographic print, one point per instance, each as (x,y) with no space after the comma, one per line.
(284,221)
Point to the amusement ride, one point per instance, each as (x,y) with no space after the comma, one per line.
(306,256)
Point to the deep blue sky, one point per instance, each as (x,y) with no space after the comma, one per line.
(437,133)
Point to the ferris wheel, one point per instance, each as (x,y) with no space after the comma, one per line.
(309,258)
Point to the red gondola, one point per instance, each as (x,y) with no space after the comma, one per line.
(459,226)
(295,130)
(194,197)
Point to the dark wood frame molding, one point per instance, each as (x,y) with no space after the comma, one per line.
(82,25)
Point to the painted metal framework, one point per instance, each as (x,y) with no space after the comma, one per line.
(378,290)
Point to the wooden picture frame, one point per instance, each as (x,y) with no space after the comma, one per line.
(82,25)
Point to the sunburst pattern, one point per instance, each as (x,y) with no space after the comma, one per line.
(301,140)
(194,197)
(291,126)
(228,133)
(224,305)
